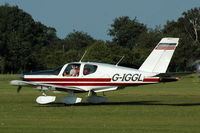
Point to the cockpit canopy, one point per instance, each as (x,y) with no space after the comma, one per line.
(69,70)
(74,69)
(47,72)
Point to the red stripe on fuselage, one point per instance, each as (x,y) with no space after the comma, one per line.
(69,79)
(165,48)
(82,81)
(96,84)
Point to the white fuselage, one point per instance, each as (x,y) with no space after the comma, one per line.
(106,77)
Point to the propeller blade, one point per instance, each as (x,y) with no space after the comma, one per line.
(18,89)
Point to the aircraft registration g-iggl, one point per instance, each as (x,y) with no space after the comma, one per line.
(94,77)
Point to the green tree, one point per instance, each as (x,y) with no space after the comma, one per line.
(98,52)
(186,52)
(193,17)
(77,40)
(125,31)
(2,64)
(20,37)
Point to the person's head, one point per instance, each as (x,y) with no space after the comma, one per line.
(73,66)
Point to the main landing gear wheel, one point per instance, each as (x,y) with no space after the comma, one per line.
(71,99)
(45,99)
(96,99)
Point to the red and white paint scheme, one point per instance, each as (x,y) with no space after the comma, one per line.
(94,77)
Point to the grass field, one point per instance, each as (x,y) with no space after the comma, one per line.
(160,108)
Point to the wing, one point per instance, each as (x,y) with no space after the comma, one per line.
(49,86)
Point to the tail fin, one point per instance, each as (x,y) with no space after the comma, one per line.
(158,60)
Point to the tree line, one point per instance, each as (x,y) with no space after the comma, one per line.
(27,45)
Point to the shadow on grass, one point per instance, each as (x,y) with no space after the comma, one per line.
(132,103)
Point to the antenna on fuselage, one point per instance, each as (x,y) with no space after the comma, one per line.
(120,60)
(83,56)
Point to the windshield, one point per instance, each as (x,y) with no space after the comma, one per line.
(46,72)
(57,70)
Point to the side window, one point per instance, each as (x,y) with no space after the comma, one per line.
(72,70)
(89,69)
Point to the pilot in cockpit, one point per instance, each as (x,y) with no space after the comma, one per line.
(72,70)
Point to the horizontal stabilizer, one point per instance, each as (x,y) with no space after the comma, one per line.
(168,79)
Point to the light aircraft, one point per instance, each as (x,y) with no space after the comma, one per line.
(94,77)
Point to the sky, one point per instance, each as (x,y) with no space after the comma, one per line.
(95,16)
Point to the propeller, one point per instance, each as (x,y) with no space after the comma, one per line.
(19,89)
